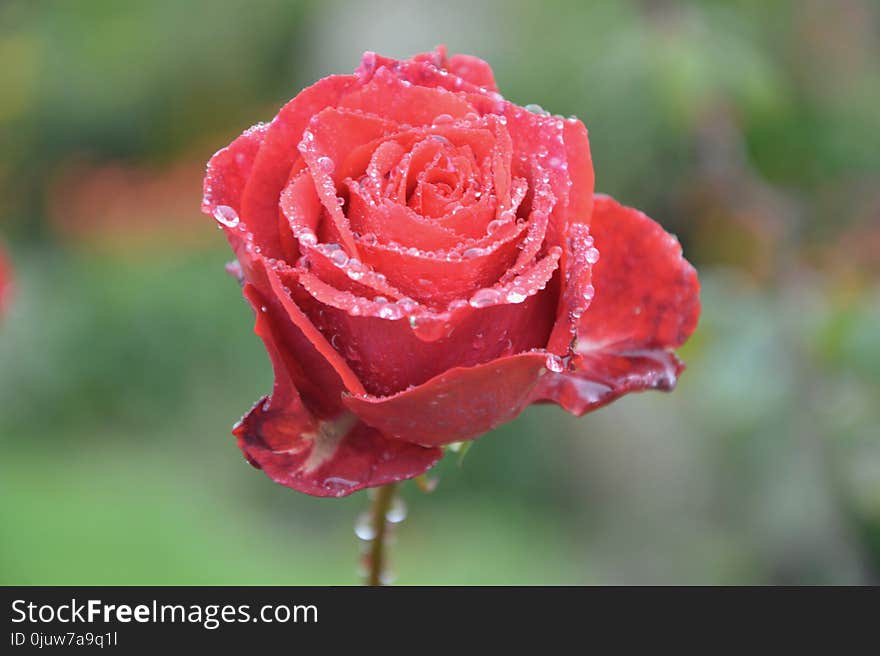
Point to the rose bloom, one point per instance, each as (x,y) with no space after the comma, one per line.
(425,259)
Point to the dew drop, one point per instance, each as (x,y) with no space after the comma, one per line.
(397,512)
(442,119)
(326,164)
(308,238)
(592,255)
(555,363)
(363,527)
(338,257)
(225,215)
(472,253)
(515,296)
(537,109)
(483,298)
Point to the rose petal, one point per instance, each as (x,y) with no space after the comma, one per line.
(229,169)
(396,223)
(330,458)
(579,165)
(472,69)
(389,348)
(277,154)
(646,303)
(459,404)
(389,96)
(449,277)
(598,378)
(647,294)
(326,452)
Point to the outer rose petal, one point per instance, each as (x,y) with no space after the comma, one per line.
(229,170)
(646,304)
(277,155)
(647,294)
(473,69)
(333,456)
(459,404)
(327,459)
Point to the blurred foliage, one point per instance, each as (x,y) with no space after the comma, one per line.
(748,128)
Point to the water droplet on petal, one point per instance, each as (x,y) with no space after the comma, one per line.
(338,257)
(225,215)
(592,255)
(326,164)
(555,363)
(537,109)
(484,298)
(515,296)
(442,119)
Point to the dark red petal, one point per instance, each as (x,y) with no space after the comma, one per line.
(646,304)
(389,348)
(647,294)
(277,155)
(459,404)
(599,377)
(302,436)
(330,458)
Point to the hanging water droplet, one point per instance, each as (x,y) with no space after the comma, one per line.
(225,215)
(363,527)
(307,238)
(515,296)
(592,255)
(397,512)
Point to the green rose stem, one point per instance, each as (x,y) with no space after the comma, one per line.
(377,554)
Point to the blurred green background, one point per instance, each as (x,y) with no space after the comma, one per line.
(751,129)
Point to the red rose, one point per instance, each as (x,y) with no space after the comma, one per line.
(425,260)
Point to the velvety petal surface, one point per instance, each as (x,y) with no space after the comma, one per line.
(323,449)
(646,304)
